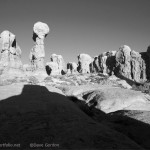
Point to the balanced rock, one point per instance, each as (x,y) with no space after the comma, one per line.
(10,53)
(56,66)
(84,61)
(37,54)
(72,67)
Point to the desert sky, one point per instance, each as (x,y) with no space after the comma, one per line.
(78,26)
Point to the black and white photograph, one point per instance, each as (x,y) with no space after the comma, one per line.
(74,74)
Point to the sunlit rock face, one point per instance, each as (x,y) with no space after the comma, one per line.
(56,66)
(37,54)
(84,61)
(10,53)
(146,58)
(130,64)
(71,68)
(104,63)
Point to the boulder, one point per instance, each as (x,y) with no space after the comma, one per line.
(84,61)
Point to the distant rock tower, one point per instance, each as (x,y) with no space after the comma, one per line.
(10,54)
(37,54)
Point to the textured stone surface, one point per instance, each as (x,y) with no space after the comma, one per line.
(72,67)
(84,61)
(130,64)
(10,53)
(37,54)
(104,63)
(56,66)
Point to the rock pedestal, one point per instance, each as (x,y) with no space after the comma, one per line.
(37,54)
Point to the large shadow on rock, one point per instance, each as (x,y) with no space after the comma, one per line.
(39,116)
(136,130)
(129,81)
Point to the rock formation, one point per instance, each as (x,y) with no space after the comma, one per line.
(72,68)
(56,66)
(94,65)
(37,54)
(84,61)
(10,53)
(104,63)
(130,64)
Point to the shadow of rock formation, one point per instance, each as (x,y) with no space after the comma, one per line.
(132,123)
(40,116)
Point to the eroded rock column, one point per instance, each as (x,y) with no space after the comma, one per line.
(10,53)
(37,54)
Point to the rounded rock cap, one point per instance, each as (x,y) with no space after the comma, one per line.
(41,29)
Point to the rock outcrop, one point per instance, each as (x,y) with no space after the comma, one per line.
(104,63)
(56,66)
(130,64)
(37,54)
(10,54)
(72,68)
(84,61)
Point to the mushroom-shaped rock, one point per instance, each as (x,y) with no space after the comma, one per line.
(41,29)
(37,53)
(84,61)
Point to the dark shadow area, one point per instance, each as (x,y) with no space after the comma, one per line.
(40,116)
(48,70)
(110,63)
(14,43)
(136,130)
(34,36)
(145,57)
(129,81)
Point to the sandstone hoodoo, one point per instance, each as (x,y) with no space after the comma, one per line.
(72,68)
(10,53)
(130,64)
(104,63)
(56,66)
(37,54)
(84,61)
